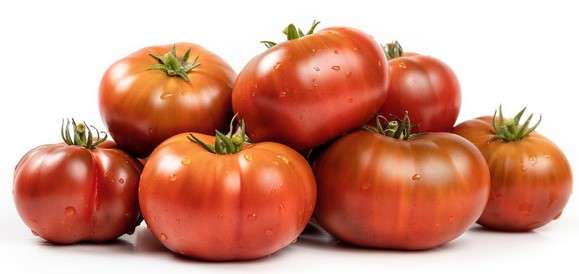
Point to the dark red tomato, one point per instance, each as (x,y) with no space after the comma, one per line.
(391,190)
(425,87)
(312,88)
(530,176)
(161,91)
(234,202)
(78,191)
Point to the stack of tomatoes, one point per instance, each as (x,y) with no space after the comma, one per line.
(327,124)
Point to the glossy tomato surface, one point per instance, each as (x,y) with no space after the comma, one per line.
(67,194)
(142,107)
(531,179)
(305,92)
(377,191)
(226,206)
(425,87)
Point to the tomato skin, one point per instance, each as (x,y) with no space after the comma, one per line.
(67,194)
(143,107)
(377,191)
(305,92)
(531,179)
(226,207)
(425,87)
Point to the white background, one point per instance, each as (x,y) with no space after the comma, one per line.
(54,54)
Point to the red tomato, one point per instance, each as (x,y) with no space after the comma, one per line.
(425,87)
(78,191)
(311,89)
(230,203)
(390,189)
(156,93)
(530,176)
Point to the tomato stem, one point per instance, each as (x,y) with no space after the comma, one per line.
(172,65)
(510,130)
(82,134)
(393,50)
(292,33)
(398,128)
(229,143)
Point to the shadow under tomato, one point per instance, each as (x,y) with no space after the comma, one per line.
(114,246)
(483,230)
(146,242)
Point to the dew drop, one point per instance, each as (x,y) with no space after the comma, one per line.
(69,211)
(166,95)
(252,216)
(348,74)
(253,94)
(247,157)
(416,177)
(150,131)
(355,49)
(283,94)
(186,161)
(219,216)
(163,237)
(335,51)
(121,181)
(336,68)
(281,207)
(365,186)
(314,50)
(277,65)
(350,100)
(268,232)
(282,158)
(379,63)
(547,156)
(173,177)
(316,68)
(451,219)
(402,65)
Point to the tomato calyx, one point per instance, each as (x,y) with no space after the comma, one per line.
(82,134)
(400,129)
(292,33)
(172,65)
(229,143)
(509,130)
(393,50)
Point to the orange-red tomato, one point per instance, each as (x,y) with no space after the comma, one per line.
(530,178)
(142,106)
(382,192)
(311,89)
(68,193)
(425,87)
(236,206)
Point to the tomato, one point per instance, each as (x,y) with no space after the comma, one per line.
(228,201)
(312,88)
(156,93)
(387,188)
(78,190)
(530,176)
(425,87)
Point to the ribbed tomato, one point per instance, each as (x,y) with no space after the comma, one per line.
(161,91)
(82,190)
(531,178)
(228,201)
(388,188)
(312,88)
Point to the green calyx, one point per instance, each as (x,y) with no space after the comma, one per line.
(82,134)
(173,65)
(229,143)
(393,50)
(510,130)
(292,33)
(400,129)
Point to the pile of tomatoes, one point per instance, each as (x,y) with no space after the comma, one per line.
(328,127)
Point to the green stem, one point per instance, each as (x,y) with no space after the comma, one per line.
(398,128)
(510,130)
(229,143)
(172,65)
(393,50)
(82,134)
(292,33)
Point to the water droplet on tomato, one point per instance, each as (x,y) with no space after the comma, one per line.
(350,100)
(533,160)
(379,63)
(336,68)
(69,211)
(281,207)
(268,232)
(547,156)
(283,94)
(166,95)
(316,68)
(247,157)
(173,177)
(402,65)
(355,49)
(150,131)
(121,181)
(335,51)
(277,65)
(253,94)
(219,216)
(314,50)
(163,237)
(252,216)
(283,159)
(186,161)
(365,186)
(348,74)
(451,219)
(416,177)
